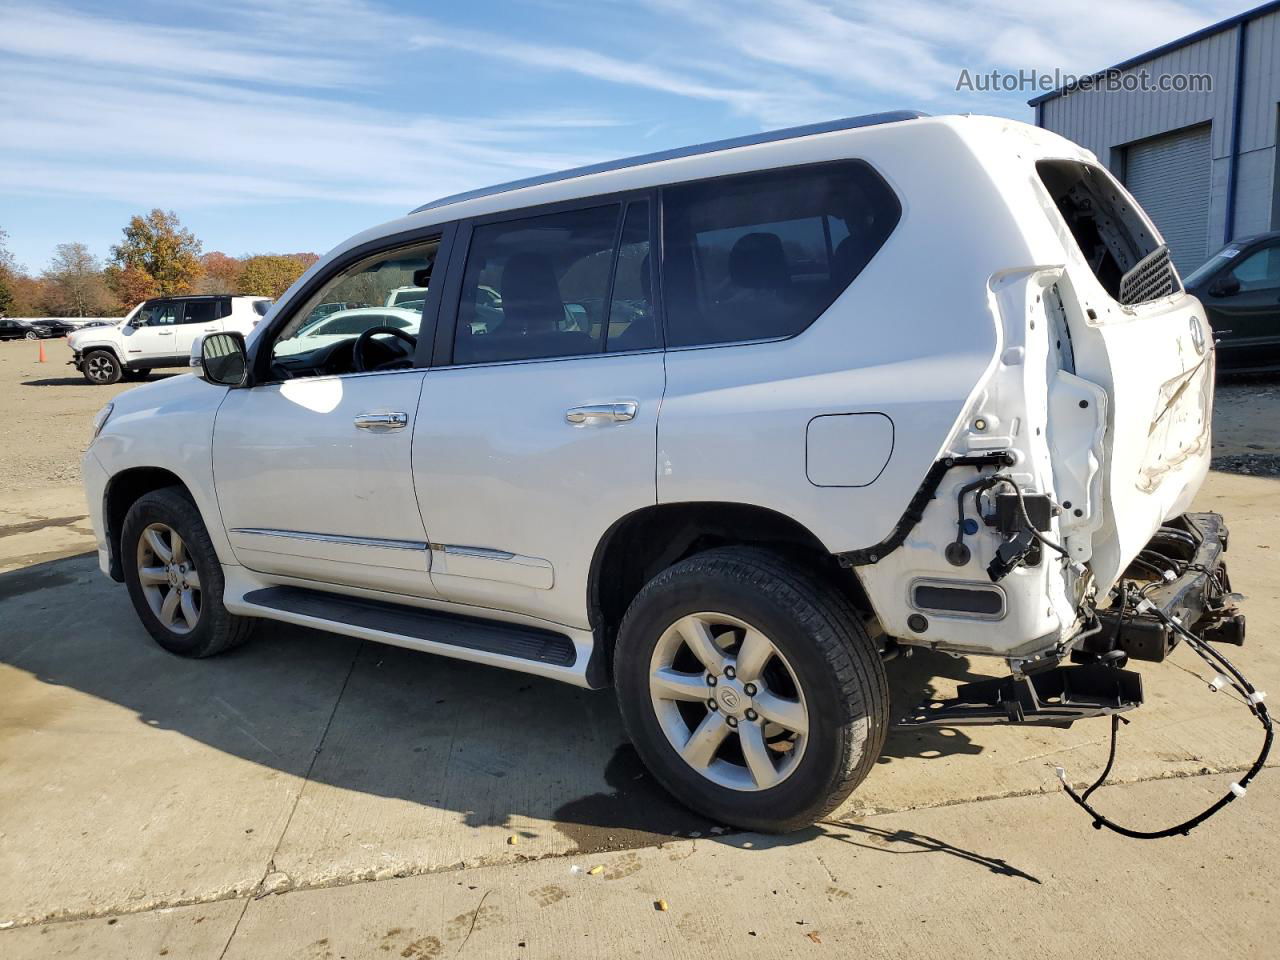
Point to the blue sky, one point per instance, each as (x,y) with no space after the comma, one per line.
(286,126)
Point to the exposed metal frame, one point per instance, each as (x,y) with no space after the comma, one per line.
(715,146)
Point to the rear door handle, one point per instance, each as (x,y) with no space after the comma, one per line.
(382,421)
(618,411)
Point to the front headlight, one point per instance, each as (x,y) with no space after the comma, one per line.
(100,420)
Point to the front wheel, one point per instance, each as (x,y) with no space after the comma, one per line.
(751,689)
(101,367)
(175,578)
(32,335)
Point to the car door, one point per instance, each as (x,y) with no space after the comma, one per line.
(537,425)
(1243,306)
(313,461)
(198,318)
(151,339)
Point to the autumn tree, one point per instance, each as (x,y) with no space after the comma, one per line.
(221,273)
(7,271)
(269,275)
(156,248)
(73,283)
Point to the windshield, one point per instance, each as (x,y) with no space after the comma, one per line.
(1211,265)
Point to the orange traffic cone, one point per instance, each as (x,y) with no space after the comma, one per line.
(42,360)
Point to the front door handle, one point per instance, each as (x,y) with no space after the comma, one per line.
(382,421)
(619,411)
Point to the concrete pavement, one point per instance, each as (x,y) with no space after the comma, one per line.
(372,788)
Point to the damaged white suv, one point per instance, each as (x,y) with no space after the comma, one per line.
(725,428)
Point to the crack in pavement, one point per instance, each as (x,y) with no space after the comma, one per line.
(258,889)
(249,893)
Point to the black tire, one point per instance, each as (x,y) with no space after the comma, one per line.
(835,664)
(32,335)
(101,367)
(215,630)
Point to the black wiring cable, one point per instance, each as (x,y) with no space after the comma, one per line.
(1149,567)
(1239,682)
(1116,720)
(986,483)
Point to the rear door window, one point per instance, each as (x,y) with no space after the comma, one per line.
(201,311)
(537,287)
(761,256)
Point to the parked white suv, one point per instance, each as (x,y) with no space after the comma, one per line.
(159,333)
(885,382)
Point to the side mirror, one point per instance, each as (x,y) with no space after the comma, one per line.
(221,358)
(1228,286)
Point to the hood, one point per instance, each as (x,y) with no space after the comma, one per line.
(185,390)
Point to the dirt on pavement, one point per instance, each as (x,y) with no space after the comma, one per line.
(48,411)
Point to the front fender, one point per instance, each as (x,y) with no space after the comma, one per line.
(169,425)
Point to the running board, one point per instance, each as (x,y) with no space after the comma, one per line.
(430,627)
(1053,698)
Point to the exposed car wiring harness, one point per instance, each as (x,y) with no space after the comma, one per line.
(1226,675)
(1134,600)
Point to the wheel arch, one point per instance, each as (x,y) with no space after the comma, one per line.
(122,491)
(643,543)
(103,345)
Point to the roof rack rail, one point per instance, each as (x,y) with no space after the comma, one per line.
(769,136)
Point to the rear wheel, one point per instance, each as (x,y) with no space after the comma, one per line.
(751,689)
(101,367)
(175,578)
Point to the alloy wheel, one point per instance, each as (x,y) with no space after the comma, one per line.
(169,578)
(728,701)
(99,367)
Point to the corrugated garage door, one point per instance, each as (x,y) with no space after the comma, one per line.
(1170,177)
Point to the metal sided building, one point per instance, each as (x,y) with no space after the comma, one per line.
(1201,161)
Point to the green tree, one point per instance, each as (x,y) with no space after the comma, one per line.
(158,247)
(269,275)
(74,285)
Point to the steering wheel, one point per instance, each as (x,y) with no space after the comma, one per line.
(362,341)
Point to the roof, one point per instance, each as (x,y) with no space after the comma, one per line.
(1189,39)
(771,136)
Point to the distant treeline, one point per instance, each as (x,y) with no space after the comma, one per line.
(156,257)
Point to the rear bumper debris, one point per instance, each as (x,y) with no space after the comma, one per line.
(1195,589)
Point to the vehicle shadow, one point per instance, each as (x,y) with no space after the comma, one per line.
(493,746)
(924,676)
(80,381)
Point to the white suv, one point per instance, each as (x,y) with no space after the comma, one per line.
(159,333)
(725,428)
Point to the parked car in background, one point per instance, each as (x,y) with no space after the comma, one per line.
(1240,289)
(346,324)
(14,329)
(56,326)
(159,333)
(724,428)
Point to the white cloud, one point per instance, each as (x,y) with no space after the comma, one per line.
(273,100)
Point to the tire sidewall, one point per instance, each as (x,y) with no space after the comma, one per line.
(176,511)
(836,727)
